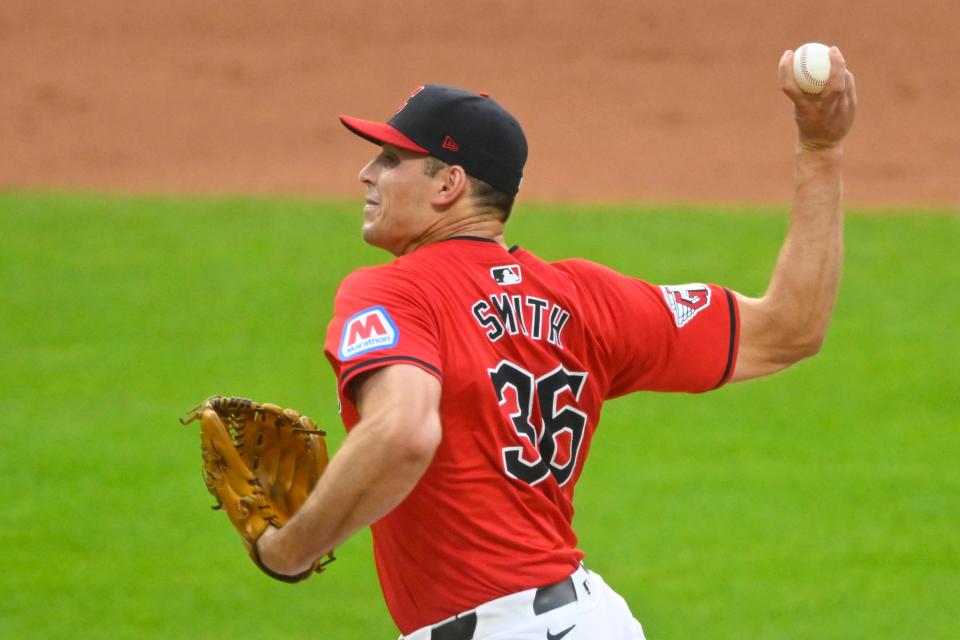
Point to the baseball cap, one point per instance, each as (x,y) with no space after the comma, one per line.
(459,127)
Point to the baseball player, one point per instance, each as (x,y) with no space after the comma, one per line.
(472,373)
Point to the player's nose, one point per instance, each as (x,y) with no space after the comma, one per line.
(367,174)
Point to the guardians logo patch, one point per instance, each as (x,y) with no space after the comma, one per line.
(686,300)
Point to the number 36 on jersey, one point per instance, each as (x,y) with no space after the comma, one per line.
(552,446)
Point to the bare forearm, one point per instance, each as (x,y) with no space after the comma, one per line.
(364,482)
(804,284)
(377,466)
(790,321)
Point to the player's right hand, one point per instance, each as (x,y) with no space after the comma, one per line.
(823,119)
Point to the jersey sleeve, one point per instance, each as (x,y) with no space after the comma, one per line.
(379,319)
(663,337)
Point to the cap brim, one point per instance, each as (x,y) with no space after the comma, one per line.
(380,133)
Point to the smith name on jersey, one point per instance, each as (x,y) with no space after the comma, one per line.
(504,314)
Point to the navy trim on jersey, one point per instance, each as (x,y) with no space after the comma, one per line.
(387,359)
(733,337)
(477,238)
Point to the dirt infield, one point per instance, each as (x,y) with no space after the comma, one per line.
(620,99)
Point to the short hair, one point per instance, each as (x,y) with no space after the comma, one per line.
(484,195)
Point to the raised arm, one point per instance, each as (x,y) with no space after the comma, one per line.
(790,321)
(378,465)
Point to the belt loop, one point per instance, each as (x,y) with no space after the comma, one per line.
(554,596)
(461,628)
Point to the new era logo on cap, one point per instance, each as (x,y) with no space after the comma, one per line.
(369,330)
(450,144)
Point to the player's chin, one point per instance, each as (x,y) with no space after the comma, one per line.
(378,235)
(368,231)
(372,232)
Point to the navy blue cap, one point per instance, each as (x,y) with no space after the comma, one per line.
(459,127)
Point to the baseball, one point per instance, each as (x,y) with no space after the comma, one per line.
(811,67)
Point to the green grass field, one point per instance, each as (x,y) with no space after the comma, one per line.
(821,503)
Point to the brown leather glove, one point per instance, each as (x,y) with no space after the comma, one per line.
(260,462)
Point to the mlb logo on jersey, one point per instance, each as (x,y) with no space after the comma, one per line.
(370,330)
(508,274)
(686,300)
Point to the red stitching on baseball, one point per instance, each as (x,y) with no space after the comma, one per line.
(806,72)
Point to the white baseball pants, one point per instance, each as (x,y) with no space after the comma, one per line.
(598,613)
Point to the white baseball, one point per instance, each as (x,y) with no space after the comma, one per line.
(811,67)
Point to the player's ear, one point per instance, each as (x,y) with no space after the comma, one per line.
(452,185)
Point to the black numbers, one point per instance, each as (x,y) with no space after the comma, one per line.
(557,423)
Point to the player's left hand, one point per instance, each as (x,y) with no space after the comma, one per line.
(824,119)
(260,462)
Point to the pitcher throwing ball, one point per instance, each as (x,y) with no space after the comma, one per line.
(472,373)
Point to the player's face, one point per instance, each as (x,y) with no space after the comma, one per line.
(397,210)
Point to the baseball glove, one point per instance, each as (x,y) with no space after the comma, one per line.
(260,462)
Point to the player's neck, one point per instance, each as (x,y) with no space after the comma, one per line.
(475,226)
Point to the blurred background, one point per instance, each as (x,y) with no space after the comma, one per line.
(178,203)
(621,100)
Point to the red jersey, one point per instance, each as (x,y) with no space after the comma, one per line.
(526,352)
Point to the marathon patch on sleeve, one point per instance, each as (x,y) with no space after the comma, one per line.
(369,330)
(686,300)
